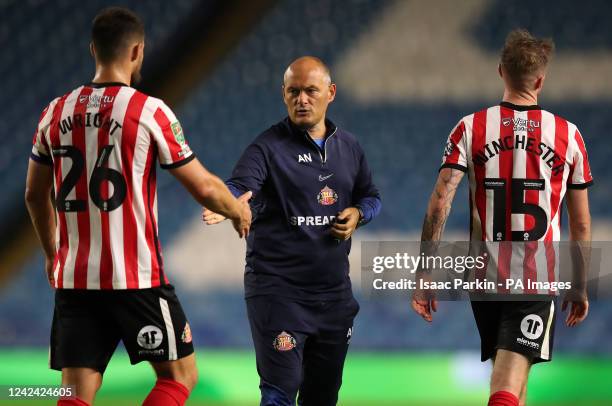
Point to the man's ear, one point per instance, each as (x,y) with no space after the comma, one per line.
(539,82)
(332,92)
(500,71)
(92,51)
(135,51)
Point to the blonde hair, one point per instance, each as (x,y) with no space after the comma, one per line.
(524,56)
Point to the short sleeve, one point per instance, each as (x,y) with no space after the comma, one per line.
(40,146)
(580,170)
(167,134)
(455,152)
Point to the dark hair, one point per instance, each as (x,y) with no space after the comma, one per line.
(112,30)
(524,55)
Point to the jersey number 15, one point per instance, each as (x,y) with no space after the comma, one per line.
(517,206)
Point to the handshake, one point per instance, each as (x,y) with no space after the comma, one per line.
(240,215)
(342,227)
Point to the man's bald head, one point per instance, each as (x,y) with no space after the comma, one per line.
(306,65)
(307,91)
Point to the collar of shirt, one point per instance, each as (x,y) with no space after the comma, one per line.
(519,107)
(330,128)
(97,85)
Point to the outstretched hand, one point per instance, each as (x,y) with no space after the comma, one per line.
(241,224)
(210,217)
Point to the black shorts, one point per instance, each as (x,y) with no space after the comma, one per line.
(524,327)
(88,325)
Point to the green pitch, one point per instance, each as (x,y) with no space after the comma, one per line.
(370,379)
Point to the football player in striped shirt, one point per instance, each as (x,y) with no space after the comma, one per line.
(97,147)
(521,161)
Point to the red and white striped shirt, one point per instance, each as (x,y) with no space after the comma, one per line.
(102,141)
(520,161)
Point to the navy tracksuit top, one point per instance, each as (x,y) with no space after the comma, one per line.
(298,189)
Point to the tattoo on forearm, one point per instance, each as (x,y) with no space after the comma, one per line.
(440,204)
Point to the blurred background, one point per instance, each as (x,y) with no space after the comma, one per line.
(406,71)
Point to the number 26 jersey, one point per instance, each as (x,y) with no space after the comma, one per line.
(102,141)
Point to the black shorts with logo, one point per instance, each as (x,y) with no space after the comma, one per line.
(88,325)
(524,327)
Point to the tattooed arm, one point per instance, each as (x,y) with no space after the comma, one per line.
(438,210)
(440,202)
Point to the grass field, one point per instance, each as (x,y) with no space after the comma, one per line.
(228,378)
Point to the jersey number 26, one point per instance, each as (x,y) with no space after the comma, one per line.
(100,174)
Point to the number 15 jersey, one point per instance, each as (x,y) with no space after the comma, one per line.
(520,161)
(102,141)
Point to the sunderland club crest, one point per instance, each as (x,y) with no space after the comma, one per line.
(327,196)
(284,342)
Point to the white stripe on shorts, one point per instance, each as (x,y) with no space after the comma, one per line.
(172,355)
(545,353)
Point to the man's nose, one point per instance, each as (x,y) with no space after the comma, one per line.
(302,98)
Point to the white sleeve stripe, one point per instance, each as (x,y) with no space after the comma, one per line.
(155,131)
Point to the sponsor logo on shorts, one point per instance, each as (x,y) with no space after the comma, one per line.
(528,343)
(150,337)
(186,336)
(532,326)
(327,196)
(349,335)
(155,353)
(284,342)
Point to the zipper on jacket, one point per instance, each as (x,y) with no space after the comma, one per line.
(323,156)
